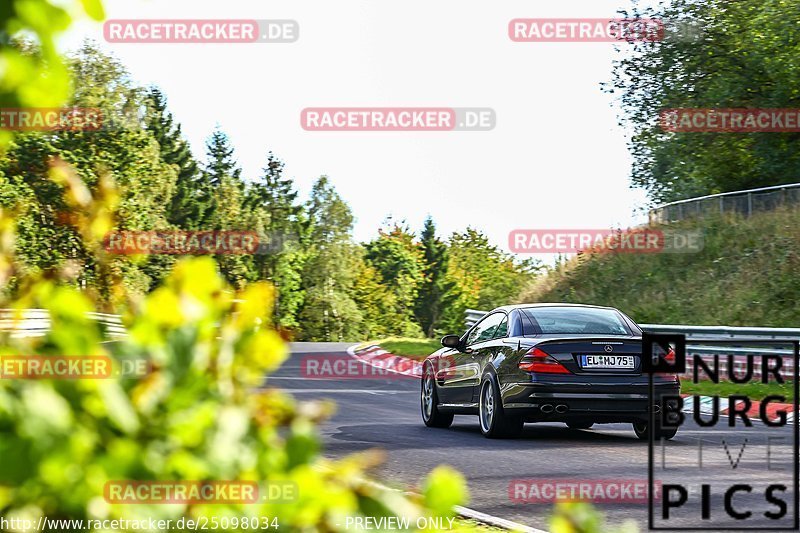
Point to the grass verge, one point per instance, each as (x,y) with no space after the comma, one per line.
(754,391)
(745,275)
(414,348)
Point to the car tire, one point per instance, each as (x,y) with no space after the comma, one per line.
(494,421)
(579,425)
(642,430)
(429,402)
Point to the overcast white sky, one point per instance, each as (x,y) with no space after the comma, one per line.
(556,159)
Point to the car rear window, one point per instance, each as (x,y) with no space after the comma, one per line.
(572,320)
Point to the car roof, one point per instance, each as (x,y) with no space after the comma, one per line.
(508,308)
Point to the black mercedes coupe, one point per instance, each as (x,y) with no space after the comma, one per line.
(576,364)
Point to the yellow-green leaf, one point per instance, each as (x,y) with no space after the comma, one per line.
(94,8)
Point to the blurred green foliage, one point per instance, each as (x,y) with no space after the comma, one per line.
(37,79)
(200,413)
(580,517)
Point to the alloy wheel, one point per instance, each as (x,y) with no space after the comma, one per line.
(427,397)
(487,406)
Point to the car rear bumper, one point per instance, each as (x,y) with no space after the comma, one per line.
(623,402)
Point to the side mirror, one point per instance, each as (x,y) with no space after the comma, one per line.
(451,341)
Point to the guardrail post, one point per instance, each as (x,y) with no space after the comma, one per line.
(749,204)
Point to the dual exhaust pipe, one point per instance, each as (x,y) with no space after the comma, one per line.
(549,408)
(561,408)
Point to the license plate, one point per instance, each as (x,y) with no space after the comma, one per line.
(621,362)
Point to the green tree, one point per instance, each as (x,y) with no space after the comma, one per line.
(329,312)
(377,304)
(398,259)
(436,293)
(715,54)
(192,198)
(220,160)
(232,214)
(484,276)
(230,208)
(277,196)
(121,151)
(288,280)
(282,257)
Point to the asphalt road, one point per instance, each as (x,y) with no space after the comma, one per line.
(384,413)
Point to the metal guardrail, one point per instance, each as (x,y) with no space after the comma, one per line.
(733,333)
(36,323)
(743,202)
(471,316)
(699,333)
(735,355)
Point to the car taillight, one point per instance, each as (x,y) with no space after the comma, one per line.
(538,361)
(670,357)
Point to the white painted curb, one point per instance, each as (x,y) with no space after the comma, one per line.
(472,514)
(351,351)
(488,519)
